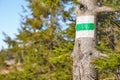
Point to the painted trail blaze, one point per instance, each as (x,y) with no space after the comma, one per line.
(85,26)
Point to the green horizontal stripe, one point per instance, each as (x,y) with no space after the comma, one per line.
(85,26)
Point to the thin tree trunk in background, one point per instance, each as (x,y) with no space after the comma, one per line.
(84,51)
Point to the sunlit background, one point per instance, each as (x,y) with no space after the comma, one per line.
(10,11)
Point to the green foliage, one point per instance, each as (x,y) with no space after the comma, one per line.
(43,44)
(108,42)
(109,63)
(112,3)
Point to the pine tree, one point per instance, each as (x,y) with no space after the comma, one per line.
(46,38)
(42,47)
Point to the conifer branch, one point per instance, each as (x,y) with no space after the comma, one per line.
(104,9)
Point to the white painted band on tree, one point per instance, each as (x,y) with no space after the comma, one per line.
(89,33)
(85,19)
(85,26)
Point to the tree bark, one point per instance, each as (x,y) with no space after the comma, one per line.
(84,51)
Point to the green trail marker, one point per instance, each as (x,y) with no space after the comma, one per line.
(85,26)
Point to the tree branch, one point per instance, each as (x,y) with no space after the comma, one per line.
(104,9)
(99,54)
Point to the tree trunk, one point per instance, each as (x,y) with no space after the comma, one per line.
(84,51)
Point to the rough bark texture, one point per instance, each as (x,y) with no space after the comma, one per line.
(84,51)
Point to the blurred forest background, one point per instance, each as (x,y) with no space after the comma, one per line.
(45,40)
